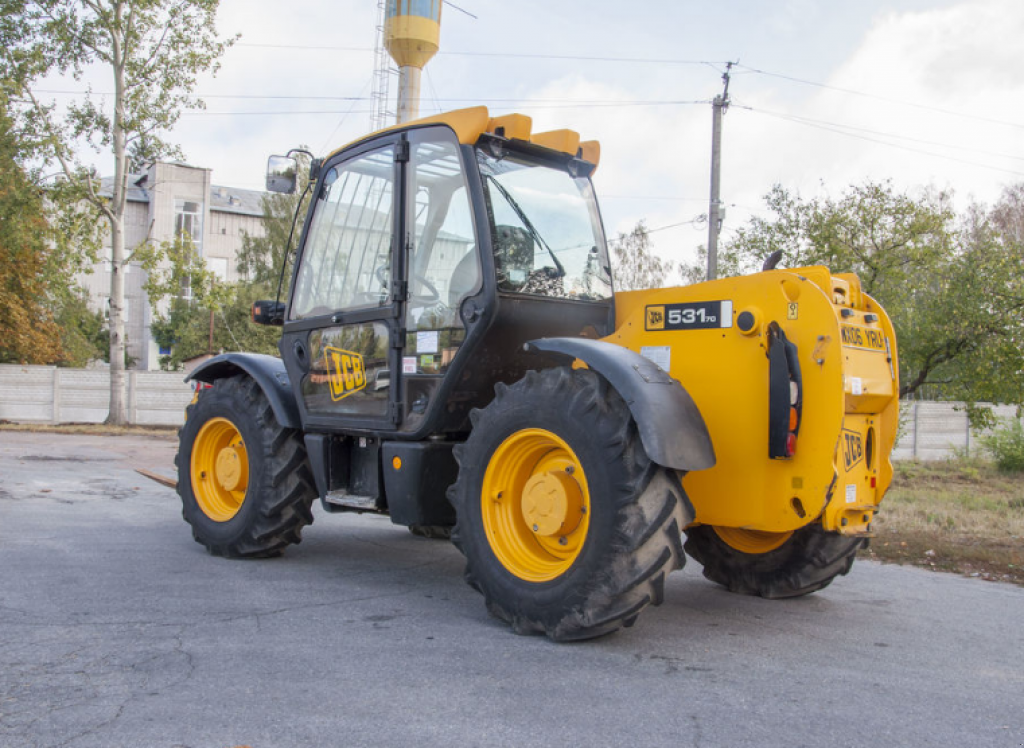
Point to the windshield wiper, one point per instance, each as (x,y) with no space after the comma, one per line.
(528,224)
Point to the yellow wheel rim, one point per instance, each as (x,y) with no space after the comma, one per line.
(536,505)
(219,469)
(752,541)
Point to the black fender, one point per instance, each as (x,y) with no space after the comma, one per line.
(671,427)
(269,373)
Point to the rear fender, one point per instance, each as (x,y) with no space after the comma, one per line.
(671,427)
(269,373)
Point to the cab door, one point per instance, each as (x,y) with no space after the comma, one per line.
(341,339)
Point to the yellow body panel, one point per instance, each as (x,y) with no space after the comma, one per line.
(469,124)
(725,369)
(566,141)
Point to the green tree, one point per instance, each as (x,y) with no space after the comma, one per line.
(43,245)
(634,264)
(154,51)
(948,282)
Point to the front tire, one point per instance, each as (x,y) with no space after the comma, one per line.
(790,565)
(567,526)
(244,480)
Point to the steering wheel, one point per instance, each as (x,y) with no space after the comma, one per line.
(432,296)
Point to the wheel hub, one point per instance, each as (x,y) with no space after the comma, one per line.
(230,468)
(535,501)
(219,469)
(551,503)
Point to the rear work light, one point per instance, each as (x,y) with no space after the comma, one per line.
(785,394)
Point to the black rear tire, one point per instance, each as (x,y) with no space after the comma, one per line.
(431,532)
(279,494)
(807,562)
(637,510)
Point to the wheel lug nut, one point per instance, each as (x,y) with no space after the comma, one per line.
(535,528)
(563,541)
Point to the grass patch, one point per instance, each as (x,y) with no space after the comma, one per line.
(963,516)
(90,429)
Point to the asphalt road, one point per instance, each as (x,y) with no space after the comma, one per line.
(116,629)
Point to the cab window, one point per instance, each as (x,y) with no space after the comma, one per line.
(346,263)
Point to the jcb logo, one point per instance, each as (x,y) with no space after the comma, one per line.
(655,318)
(853,448)
(345,372)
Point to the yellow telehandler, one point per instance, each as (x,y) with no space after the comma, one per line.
(453,355)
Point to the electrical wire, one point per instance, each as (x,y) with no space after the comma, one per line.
(474,100)
(461,10)
(887,99)
(812,121)
(345,116)
(879,141)
(698,220)
(525,107)
(513,55)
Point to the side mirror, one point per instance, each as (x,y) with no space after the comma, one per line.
(268,313)
(281,174)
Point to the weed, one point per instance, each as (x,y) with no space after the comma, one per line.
(1006,445)
(964,516)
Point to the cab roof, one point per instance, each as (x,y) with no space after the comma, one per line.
(469,124)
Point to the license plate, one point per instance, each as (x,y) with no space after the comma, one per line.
(864,338)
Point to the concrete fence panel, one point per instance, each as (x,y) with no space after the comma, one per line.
(27,394)
(937,431)
(47,394)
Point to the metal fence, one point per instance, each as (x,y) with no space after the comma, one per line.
(46,394)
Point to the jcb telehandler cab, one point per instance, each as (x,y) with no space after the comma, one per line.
(453,355)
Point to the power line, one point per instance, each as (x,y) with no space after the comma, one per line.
(812,121)
(699,219)
(345,116)
(513,55)
(526,107)
(515,101)
(461,10)
(887,99)
(657,61)
(838,131)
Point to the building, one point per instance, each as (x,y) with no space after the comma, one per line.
(165,201)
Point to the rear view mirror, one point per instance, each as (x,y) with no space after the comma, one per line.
(268,313)
(282,174)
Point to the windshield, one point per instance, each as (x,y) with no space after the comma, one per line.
(545,230)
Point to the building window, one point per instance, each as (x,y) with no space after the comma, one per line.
(188,221)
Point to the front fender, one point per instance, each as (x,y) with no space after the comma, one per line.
(671,427)
(269,373)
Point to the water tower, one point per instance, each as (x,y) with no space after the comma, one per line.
(412,35)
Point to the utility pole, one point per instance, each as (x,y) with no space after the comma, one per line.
(719,107)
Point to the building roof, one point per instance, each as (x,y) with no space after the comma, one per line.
(234,200)
(222,199)
(136,194)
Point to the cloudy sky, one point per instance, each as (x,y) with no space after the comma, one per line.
(826,93)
